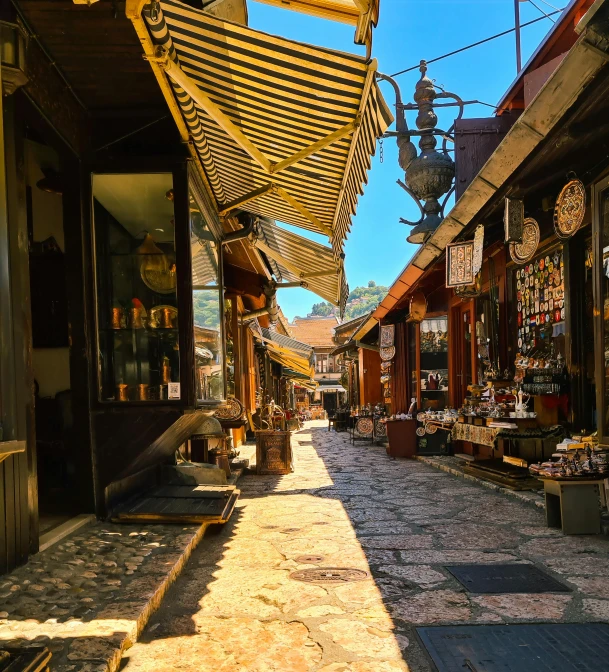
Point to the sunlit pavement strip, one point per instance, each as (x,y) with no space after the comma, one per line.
(235,607)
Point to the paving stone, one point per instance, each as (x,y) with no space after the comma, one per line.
(434,606)
(526,607)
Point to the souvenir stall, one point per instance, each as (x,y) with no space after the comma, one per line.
(514,398)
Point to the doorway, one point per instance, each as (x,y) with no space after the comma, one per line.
(463,362)
(65,480)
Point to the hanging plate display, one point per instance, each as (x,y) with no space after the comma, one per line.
(385,366)
(570,209)
(388,353)
(522,252)
(387,335)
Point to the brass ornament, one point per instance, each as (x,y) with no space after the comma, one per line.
(232,410)
(570,209)
(523,252)
(388,353)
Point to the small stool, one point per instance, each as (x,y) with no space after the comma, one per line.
(331,422)
(575,505)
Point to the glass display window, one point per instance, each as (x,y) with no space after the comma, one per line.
(136,286)
(433,372)
(208,308)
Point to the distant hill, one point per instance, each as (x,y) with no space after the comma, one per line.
(361,301)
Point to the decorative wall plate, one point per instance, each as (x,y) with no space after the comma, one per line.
(385,366)
(522,252)
(387,335)
(364,426)
(232,410)
(420,431)
(570,209)
(388,353)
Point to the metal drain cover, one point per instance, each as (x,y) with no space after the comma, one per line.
(309,559)
(506,579)
(329,575)
(568,647)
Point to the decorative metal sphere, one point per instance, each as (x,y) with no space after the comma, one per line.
(209,426)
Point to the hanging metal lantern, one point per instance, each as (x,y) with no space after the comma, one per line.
(513,220)
(429,174)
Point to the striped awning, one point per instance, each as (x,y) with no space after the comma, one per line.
(290,360)
(283,130)
(266,335)
(298,261)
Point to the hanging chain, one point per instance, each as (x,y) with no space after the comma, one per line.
(381,157)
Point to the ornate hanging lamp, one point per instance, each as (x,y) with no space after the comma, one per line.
(429,174)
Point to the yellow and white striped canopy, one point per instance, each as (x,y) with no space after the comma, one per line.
(284,130)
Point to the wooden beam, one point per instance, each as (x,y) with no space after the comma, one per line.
(246,198)
(347,129)
(174,72)
(288,198)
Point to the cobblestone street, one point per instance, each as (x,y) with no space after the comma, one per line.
(236,609)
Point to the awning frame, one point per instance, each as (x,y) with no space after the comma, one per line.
(163,60)
(360,126)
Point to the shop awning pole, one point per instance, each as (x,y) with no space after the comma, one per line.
(347,129)
(270,252)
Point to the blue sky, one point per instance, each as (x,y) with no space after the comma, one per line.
(408,31)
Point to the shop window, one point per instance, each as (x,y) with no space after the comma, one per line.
(541,324)
(487,337)
(230,347)
(434,362)
(136,281)
(208,310)
(412,359)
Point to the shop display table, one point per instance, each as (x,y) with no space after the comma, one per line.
(574,504)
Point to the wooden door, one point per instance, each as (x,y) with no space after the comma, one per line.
(462,350)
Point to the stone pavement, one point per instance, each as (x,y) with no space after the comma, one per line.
(88,597)
(236,609)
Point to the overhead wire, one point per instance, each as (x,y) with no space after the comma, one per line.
(539,9)
(476,44)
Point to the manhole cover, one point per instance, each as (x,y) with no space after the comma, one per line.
(568,647)
(309,559)
(506,579)
(329,575)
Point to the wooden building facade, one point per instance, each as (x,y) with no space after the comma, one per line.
(133,262)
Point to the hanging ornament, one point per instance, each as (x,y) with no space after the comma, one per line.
(570,209)
(523,252)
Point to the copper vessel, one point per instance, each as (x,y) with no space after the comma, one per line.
(142,392)
(220,459)
(167,316)
(118,318)
(166,371)
(122,392)
(136,317)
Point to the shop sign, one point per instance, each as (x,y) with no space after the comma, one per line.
(460,264)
